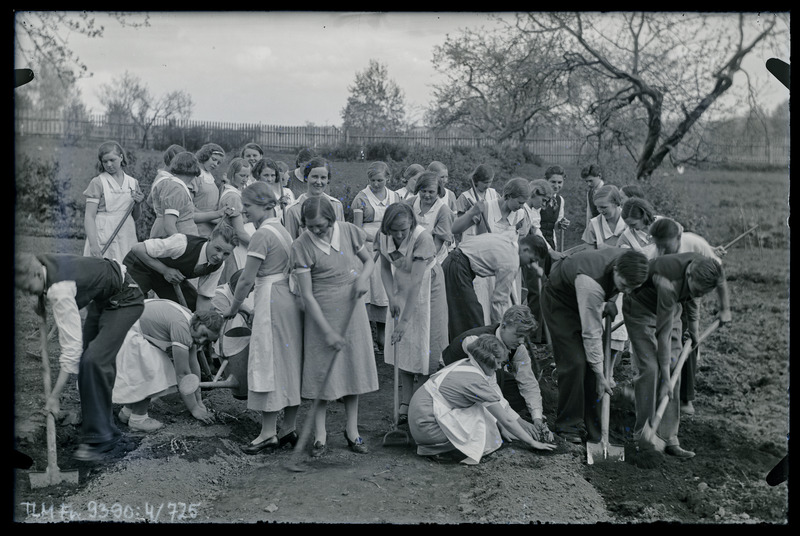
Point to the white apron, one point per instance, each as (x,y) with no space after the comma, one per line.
(633,238)
(413,350)
(466,428)
(428,221)
(260,363)
(377,294)
(144,369)
(602,231)
(117,200)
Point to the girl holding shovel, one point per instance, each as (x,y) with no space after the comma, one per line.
(113,197)
(275,359)
(414,284)
(333,267)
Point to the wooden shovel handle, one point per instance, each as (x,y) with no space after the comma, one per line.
(676,372)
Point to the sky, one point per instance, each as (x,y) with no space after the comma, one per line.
(280,67)
(285,68)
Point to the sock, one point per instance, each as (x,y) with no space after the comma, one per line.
(138,418)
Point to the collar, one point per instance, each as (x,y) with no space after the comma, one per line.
(325,247)
(274,219)
(374,198)
(299,177)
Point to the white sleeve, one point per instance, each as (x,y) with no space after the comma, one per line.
(61,297)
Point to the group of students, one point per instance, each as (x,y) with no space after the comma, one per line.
(454,287)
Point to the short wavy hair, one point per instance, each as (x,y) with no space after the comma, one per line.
(486,349)
(638,208)
(209,318)
(205,152)
(521,316)
(633,267)
(430,178)
(318,206)
(185,163)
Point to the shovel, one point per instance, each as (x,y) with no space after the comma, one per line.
(604,450)
(52,475)
(649,431)
(395,436)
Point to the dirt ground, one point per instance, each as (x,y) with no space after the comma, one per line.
(188,472)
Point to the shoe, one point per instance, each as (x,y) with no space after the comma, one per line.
(149,424)
(678,452)
(93,452)
(687,409)
(402,418)
(573,438)
(124,414)
(357,445)
(318,449)
(289,439)
(268,444)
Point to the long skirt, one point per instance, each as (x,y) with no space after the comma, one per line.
(329,375)
(281,364)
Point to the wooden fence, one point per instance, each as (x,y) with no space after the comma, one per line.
(556,150)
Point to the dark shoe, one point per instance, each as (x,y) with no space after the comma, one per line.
(289,439)
(687,409)
(318,449)
(357,445)
(402,418)
(94,452)
(678,452)
(268,444)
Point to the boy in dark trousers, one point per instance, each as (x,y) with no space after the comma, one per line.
(114,302)
(580,291)
(653,318)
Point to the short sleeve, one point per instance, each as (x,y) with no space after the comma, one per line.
(462,204)
(258,246)
(174,199)
(443,225)
(231,200)
(358,236)
(588,234)
(94,192)
(424,247)
(360,204)
(303,257)
(180,335)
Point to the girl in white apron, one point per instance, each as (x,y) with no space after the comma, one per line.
(231,198)
(605,230)
(432,213)
(206,195)
(369,205)
(145,369)
(506,216)
(461,406)
(409,180)
(638,216)
(171,198)
(275,359)
(112,198)
(414,285)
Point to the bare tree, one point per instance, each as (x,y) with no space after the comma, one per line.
(41,39)
(129,98)
(498,84)
(376,102)
(658,72)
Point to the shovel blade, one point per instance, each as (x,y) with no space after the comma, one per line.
(594,452)
(615,454)
(53,478)
(396,438)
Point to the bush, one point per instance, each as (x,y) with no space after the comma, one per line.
(44,194)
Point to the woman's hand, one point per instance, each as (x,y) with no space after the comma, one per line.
(602,385)
(202,414)
(360,287)
(538,445)
(542,432)
(563,223)
(233,311)
(399,331)
(334,340)
(137,196)
(53,405)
